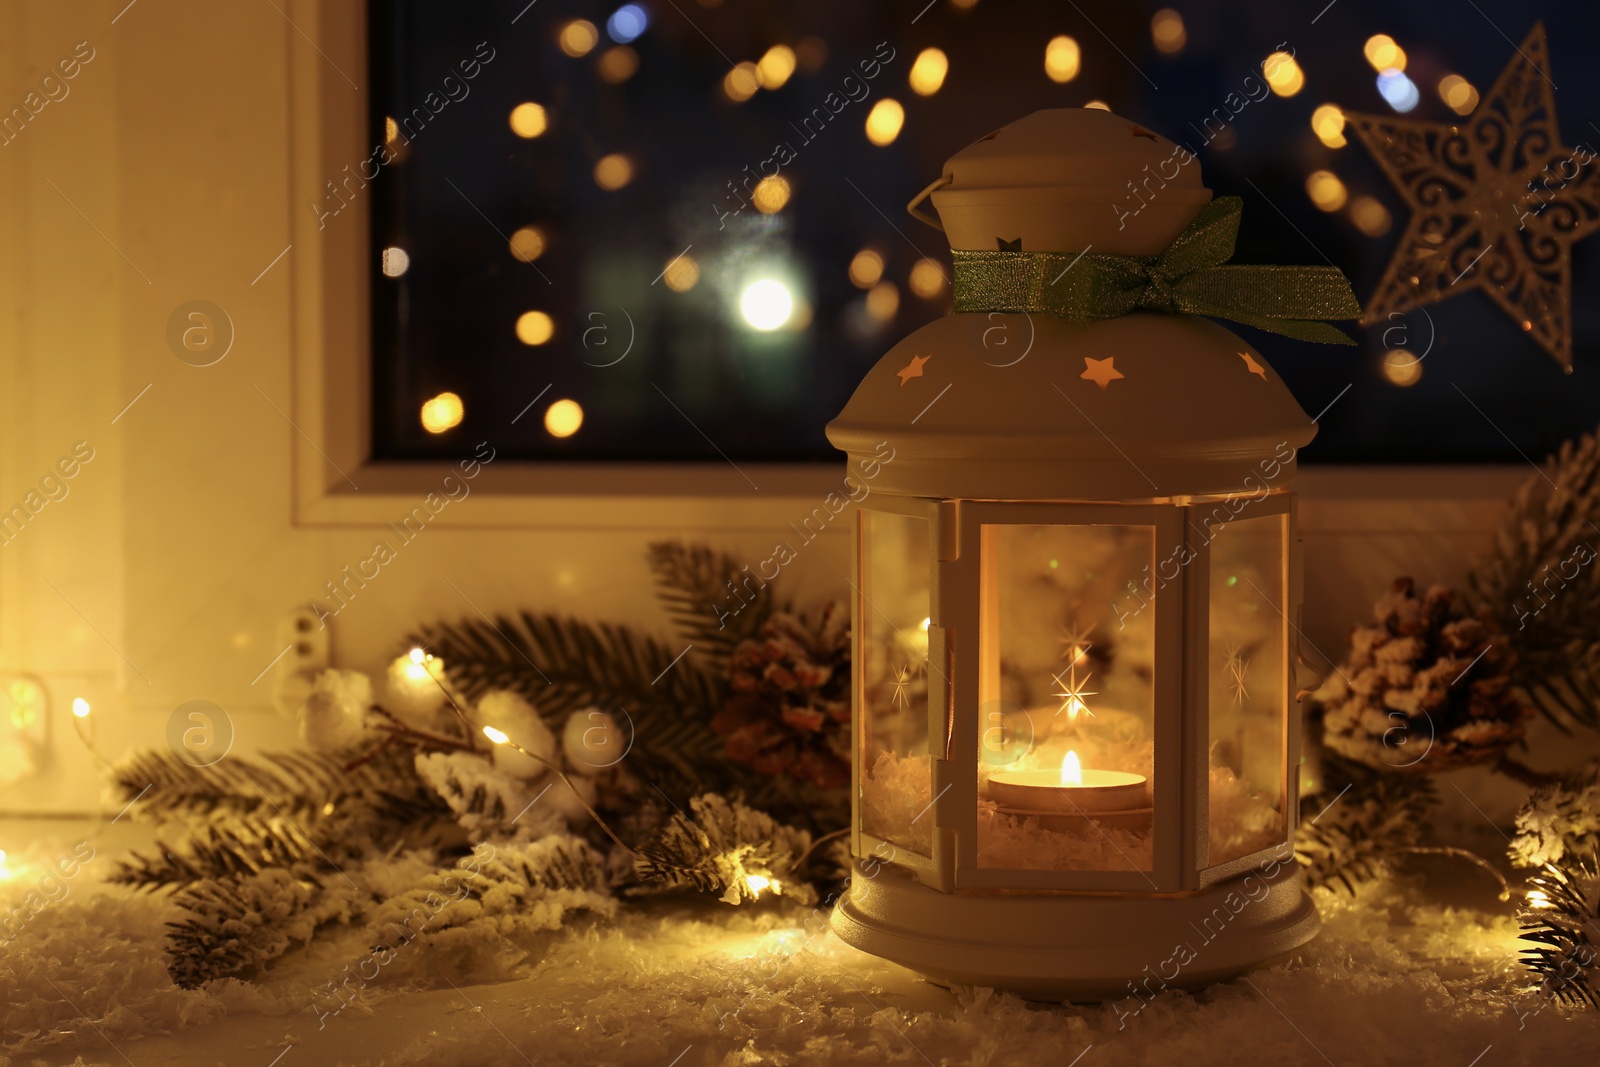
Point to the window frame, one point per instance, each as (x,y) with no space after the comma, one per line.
(337,482)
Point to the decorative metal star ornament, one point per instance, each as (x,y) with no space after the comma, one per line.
(1496,203)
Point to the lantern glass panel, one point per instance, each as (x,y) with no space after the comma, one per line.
(1247,686)
(1066,698)
(892,614)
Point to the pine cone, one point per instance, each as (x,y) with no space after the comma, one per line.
(1425,689)
(789,712)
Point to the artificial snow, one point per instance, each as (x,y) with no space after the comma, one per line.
(1394,978)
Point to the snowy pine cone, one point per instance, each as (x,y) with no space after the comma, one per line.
(789,711)
(1426,688)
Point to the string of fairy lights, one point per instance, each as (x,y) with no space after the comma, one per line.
(768,304)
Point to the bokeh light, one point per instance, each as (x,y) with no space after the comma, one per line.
(681,274)
(1370,216)
(626,23)
(579,37)
(741,83)
(613,171)
(927,279)
(884,122)
(1399,90)
(866,268)
(1062,59)
(766,304)
(442,413)
(1458,94)
(1401,367)
(527,244)
(1327,122)
(1166,30)
(771,194)
(1283,74)
(529,120)
(618,64)
(535,327)
(395,262)
(776,65)
(1326,190)
(928,72)
(883,301)
(563,418)
(1383,53)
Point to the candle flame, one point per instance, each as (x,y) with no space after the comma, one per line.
(1071,770)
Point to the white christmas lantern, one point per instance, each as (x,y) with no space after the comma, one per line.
(1075,734)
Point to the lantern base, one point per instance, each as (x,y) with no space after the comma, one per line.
(1077,947)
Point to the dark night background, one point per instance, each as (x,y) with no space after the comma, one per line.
(448,322)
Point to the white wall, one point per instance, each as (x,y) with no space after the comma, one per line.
(174,560)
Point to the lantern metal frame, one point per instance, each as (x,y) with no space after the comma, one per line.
(1180,857)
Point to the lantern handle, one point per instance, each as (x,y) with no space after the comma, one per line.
(923,216)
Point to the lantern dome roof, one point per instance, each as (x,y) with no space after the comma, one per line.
(1034,407)
(1066,179)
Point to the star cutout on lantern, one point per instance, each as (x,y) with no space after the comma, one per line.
(1140,131)
(1009,246)
(1253,366)
(1100,371)
(1496,203)
(911,370)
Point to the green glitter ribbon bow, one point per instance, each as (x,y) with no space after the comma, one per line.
(1189,277)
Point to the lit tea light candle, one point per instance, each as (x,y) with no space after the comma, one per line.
(1073,791)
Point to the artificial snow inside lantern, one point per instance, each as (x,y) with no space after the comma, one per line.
(1075,739)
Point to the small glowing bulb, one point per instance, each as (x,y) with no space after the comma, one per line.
(327,809)
(757,882)
(1071,770)
(80,707)
(925,624)
(418,656)
(497,736)
(1537,898)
